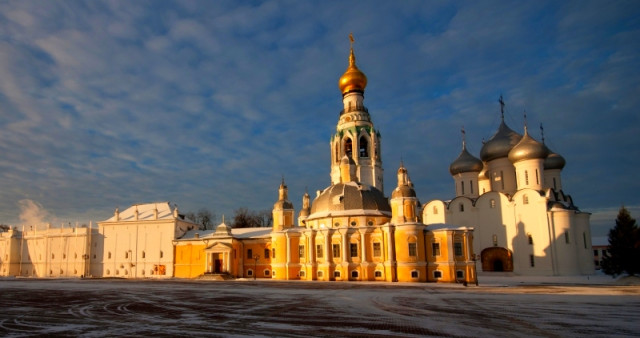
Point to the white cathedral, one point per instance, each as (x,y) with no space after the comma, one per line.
(512,196)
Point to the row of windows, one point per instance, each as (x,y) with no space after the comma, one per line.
(363,149)
(266,254)
(143,254)
(266,272)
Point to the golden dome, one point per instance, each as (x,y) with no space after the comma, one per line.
(353,79)
(528,148)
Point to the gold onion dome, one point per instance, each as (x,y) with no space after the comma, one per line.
(500,143)
(528,148)
(554,161)
(353,80)
(465,163)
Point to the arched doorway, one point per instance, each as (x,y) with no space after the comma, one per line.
(496,259)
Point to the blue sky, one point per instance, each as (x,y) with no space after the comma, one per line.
(208,104)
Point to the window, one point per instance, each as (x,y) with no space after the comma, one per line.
(457,248)
(273,274)
(461,207)
(320,274)
(595,253)
(161,254)
(462,187)
(566,237)
(532,261)
(336,274)
(492,203)
(525,199)
(126,254)
(266,272)
(64,256)
(249,272)
(378,274)
(377,251)
(354,274)
(273,253)
(412,250)
(459,274)
(53,256)
(319,251)
(302,273)
(336,250)
(471,186)
(354,223)
(144,254)
(526,177)
(414,274)
(537,177)
(266,253)
(301,251)
(435,210)
(495,240)
(584,239)
(249,253)
(364,147)
(530,239)
(354,249)
(437,274)
(435,248)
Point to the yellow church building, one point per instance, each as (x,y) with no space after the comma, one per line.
(350,232)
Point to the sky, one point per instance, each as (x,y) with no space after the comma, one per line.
(208,104)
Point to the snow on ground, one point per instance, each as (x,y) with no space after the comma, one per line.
(510,306)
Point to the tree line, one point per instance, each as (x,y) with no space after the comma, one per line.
(242,218)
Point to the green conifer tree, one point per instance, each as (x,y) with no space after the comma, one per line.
(623,253)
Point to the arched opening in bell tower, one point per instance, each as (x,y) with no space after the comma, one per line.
(348,147)
(363,150)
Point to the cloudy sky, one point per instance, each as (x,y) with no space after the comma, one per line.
(208,104)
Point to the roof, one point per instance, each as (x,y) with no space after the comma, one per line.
(240,233)
(442,226)
(145,212)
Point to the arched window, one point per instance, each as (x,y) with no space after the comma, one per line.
(462,187)
(348,147)
(435,210)
(525,199)
(461,207)
(364,147)
(337,157)
(526,177)
(471,186)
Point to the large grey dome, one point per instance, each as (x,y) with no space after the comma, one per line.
(351,196)
(500,143)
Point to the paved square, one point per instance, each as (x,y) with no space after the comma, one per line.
(104,308)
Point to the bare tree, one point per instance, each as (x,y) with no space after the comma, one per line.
(203,217)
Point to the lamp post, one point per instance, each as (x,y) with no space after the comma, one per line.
(475,267)
(255,266)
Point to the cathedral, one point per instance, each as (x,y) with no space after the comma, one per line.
(509,214)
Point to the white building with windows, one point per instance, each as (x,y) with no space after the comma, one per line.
(138,242)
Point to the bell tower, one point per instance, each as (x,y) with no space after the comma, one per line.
(355,136)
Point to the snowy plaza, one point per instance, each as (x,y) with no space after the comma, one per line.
(499,306)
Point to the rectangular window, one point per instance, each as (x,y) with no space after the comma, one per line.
(266,253)
(457,248)
(319,251)
(584,239)
(377,251)
(566,237)
(595,253)
(412,250)
(354,249)
(435,248)
(249,253)
(301,251)
(336,250)
(532,260)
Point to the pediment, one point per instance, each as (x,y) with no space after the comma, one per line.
(219,247)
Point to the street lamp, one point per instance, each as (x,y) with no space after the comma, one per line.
(475,267)
(255,265)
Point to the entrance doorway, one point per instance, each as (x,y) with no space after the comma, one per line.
(496,259)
